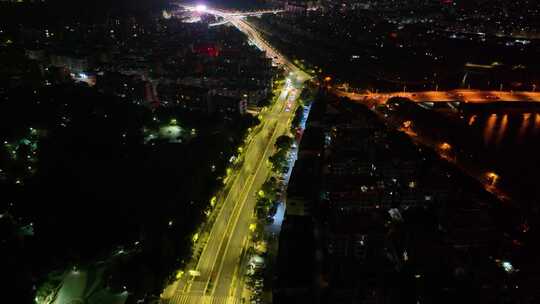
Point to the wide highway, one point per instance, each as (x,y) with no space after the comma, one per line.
(217,275)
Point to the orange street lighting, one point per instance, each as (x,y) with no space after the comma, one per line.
(407,124)
(492,177)
(445,146)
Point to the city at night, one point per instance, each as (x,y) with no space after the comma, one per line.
(270,151)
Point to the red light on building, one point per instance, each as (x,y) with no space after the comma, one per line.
(208,50)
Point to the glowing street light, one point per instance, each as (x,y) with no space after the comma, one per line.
(252,227)
(445,146)
(407,124)
(200,8)
(179,274)
(492,178)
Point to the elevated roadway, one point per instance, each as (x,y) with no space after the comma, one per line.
(468,96)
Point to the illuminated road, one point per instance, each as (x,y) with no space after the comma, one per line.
(255,13)
(218,264)
(238,20)
(216,279)
(471,96)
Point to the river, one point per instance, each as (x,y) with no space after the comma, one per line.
(510,144)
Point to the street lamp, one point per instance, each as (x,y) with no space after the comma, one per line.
(200,8)
(492,178)
(445,146)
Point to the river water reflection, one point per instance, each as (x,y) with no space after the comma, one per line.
(510,144)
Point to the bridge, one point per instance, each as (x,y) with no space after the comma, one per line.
(237,19)
(222,13)
(255,13)
(460,96)
(245,14)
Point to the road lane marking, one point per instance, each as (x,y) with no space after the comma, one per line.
(237,210)
(214,227)
(269,144)
(242,203)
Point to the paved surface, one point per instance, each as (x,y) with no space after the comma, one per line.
(218,264)
(217,280)
(254,35)
(472,96)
